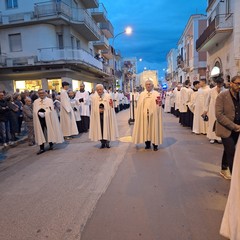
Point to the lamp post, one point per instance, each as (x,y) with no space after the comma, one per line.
(127,31)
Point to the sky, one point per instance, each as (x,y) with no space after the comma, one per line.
(157,26)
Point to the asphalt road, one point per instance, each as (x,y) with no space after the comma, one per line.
(78,191)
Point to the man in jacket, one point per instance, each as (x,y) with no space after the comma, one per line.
(227,127)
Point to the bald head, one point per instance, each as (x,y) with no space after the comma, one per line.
(149,85)
(99,89)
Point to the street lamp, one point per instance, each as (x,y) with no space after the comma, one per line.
(127,31)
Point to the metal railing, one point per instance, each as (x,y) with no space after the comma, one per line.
(100,9)
(68,54)
(220,22)
(74,15)
(108,26)
(103,39)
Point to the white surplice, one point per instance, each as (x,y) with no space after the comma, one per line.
(200,126)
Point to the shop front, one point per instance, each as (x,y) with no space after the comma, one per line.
(30,85)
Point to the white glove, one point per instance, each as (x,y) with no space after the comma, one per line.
(41,114)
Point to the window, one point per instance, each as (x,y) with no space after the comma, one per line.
(11,3)
(72,42)
(78,44)
(15,42)
(60,41)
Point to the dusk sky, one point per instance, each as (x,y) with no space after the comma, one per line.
(157,27)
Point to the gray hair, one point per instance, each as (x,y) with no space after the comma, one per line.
(99,86)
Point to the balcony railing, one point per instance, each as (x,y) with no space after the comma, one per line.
(90,3)
(103,41)
(221,23)
(100,10)
(74,15)
(107,28)
(67,54)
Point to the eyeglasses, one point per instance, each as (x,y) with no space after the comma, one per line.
(238,83)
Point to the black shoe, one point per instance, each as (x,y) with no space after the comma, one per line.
(40,151)
(155,147)
(107,145)
(102,146)
(50,146)
(147,145)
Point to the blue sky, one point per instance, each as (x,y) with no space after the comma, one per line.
(157,26)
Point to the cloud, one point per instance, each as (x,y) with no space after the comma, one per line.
(157,26)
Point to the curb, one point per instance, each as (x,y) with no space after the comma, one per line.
(16,143)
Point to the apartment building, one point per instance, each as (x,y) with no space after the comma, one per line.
(191,64)
(129,80)
(43,43)
(172,68)
(221,38)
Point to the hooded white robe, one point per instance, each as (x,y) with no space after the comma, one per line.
(67,118)
(148,120)
(54,133)
(230,227)
(200,126)
(110,128)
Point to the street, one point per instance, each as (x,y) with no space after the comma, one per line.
(78,191)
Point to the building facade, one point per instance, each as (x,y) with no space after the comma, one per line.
(191,64)
(221,38)
(43,43)
(129,79)
(172,68)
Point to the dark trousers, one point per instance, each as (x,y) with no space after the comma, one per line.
(44,129)
(229,145)
(103,141)
(85,120)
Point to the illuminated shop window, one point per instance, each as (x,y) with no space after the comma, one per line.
(54,84)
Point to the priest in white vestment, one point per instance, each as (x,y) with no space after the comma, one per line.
(148,121)
(103,124)
(230,227)
(67,118)
(45,122)
(209,110)
(177,97)
(167,105)
(199,125)
(76,109)
(84,99)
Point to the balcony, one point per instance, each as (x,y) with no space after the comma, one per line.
(90,3)
(99,14)
(217,31)
(69,55)
(102,44)
(107,29)
(108,53)
(56,13)
(210,2)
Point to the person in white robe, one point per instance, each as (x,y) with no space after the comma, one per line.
(83,97)
(191,105)
(167,106)
(209,109)
(230,226)
(199,125)
(45,122)
(103,124)
(134,96)
(67,117)
(148,121)
(76,108)
(116,101)
(177,97)
(185,96)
